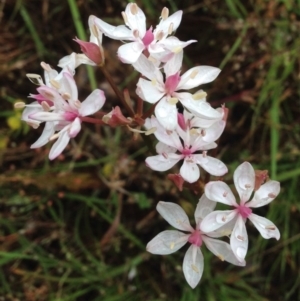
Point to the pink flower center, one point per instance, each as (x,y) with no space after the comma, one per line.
(195,238)
(186,152)
(244,211)
(148,37)
(70,116)
(171,83)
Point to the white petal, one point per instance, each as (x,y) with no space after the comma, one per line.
(174,215)
(145,67)
(136,21)
(164,148)
(244,181)
(200,108)
(239,239)
(174,64)
(166,114)
(70,86)
(217,219)
(212,165)
(193,265)
(222,250)
(130,52)
(114,32)
(162,163)
(174,45)
(204,207)
(189,171)
(167,242)
(214,132)
(75,128)
(205,74)
(265,194)
(219,191)
(44,138)
(59,145)
(174,19)
(93,103)
(148,91)
(266,228)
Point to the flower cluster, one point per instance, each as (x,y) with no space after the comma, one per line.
(184,123)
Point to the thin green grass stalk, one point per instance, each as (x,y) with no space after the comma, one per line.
(82,35)
(236,8)
(37,41)
(234,47)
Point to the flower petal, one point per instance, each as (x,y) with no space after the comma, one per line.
(216,219)
(222,250)
(265,194)
(239,239)
(212,165)
(162,163)
(266,228)
(219,191)
(167,242)
(204,207)
(58,147)
(164,25)
(93,103)
(135,20)
(46,134)
(204,74)
(244,181)
(75,128)
(166,114)
(174,215)
(174,64)
(164,148)
(145,67)
(189,171)
(193,265)
(130,52)
(148,92)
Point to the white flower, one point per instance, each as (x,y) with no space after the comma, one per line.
(63,113)
(155,89)
(184,143)
(157,42)
(244,180)
(169,241)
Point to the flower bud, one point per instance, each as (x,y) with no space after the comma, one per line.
(115,118)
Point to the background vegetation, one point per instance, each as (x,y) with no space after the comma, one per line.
(76,228)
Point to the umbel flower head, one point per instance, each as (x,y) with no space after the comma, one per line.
(244,181)
(169,241)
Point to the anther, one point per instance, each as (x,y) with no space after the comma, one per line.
(270,227)
(204,154)
(53,137)
(172,245)
(221,257)
(35,78)
(94,30)
(248,186)
(271,195)
(239,237)
(55,84)
(165,155)
(19,105)
(151,131)
(45,106)
(164,13)
(194,268)
(77,104)
(154,82)
(66,95)
(124,17)
(134,8)
(203,132)
(225,193)
(199,95)
(170,29)
(45,66)
(173,100)
(159,35)
(136,33)
(194,73)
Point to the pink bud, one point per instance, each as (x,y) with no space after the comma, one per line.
(92,51)
(177,179)
(181,121)
(115,118)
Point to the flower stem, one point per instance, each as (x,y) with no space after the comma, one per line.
(92,120)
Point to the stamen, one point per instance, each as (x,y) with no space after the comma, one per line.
(45,106)
(45,66)
(177,49)
(194,268)
(270,227)
(66,96)
(77,104)
(164,13)
(55,84)
(136,33)
(94,31)
(53,137)
(165,155)
(154,82)
(224,218)
(225,194)
(151,131)
(239,237)
(193,132)
(194,73)
(173,100)
(19,105)
(134,8)
(248,186)
(124,17)
(35,78)
(152,59)
(199,95)
(203,132)
(221,257)
(159,35)
(172,245)
(204,154)
(170,29)
(271,195)
(34,125)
